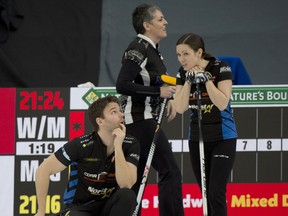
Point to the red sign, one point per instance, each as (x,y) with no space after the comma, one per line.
(242,199)
(7,120)
(77,126)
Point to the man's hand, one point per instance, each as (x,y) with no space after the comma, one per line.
(119,134)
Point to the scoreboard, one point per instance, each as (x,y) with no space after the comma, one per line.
(35,122)
(261,116)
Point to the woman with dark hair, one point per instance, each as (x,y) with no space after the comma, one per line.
(218,128)
(142,94)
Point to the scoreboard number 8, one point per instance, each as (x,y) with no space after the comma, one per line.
(269,144)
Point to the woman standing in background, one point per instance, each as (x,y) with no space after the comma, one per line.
(218,128)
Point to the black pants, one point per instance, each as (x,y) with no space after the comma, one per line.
(219,160)
(122,202)
(170,179)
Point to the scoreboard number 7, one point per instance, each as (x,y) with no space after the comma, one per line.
(245,145)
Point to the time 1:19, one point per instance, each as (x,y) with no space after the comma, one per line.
(41,149)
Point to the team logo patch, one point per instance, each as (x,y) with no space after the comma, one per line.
(135,56)
(225,69)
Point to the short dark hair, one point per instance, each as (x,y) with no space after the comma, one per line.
(96,109)
(143,13)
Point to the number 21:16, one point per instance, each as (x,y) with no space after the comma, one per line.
(29,204)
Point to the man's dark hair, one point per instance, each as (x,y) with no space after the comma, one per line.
(96,109)
(143,13)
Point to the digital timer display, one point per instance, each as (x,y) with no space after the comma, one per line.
(38,148)
(34,100)
(42,148)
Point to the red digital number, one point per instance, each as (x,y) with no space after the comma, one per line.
(48,99)
(53,100)
(31,100)
(58,101)
(24,101)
